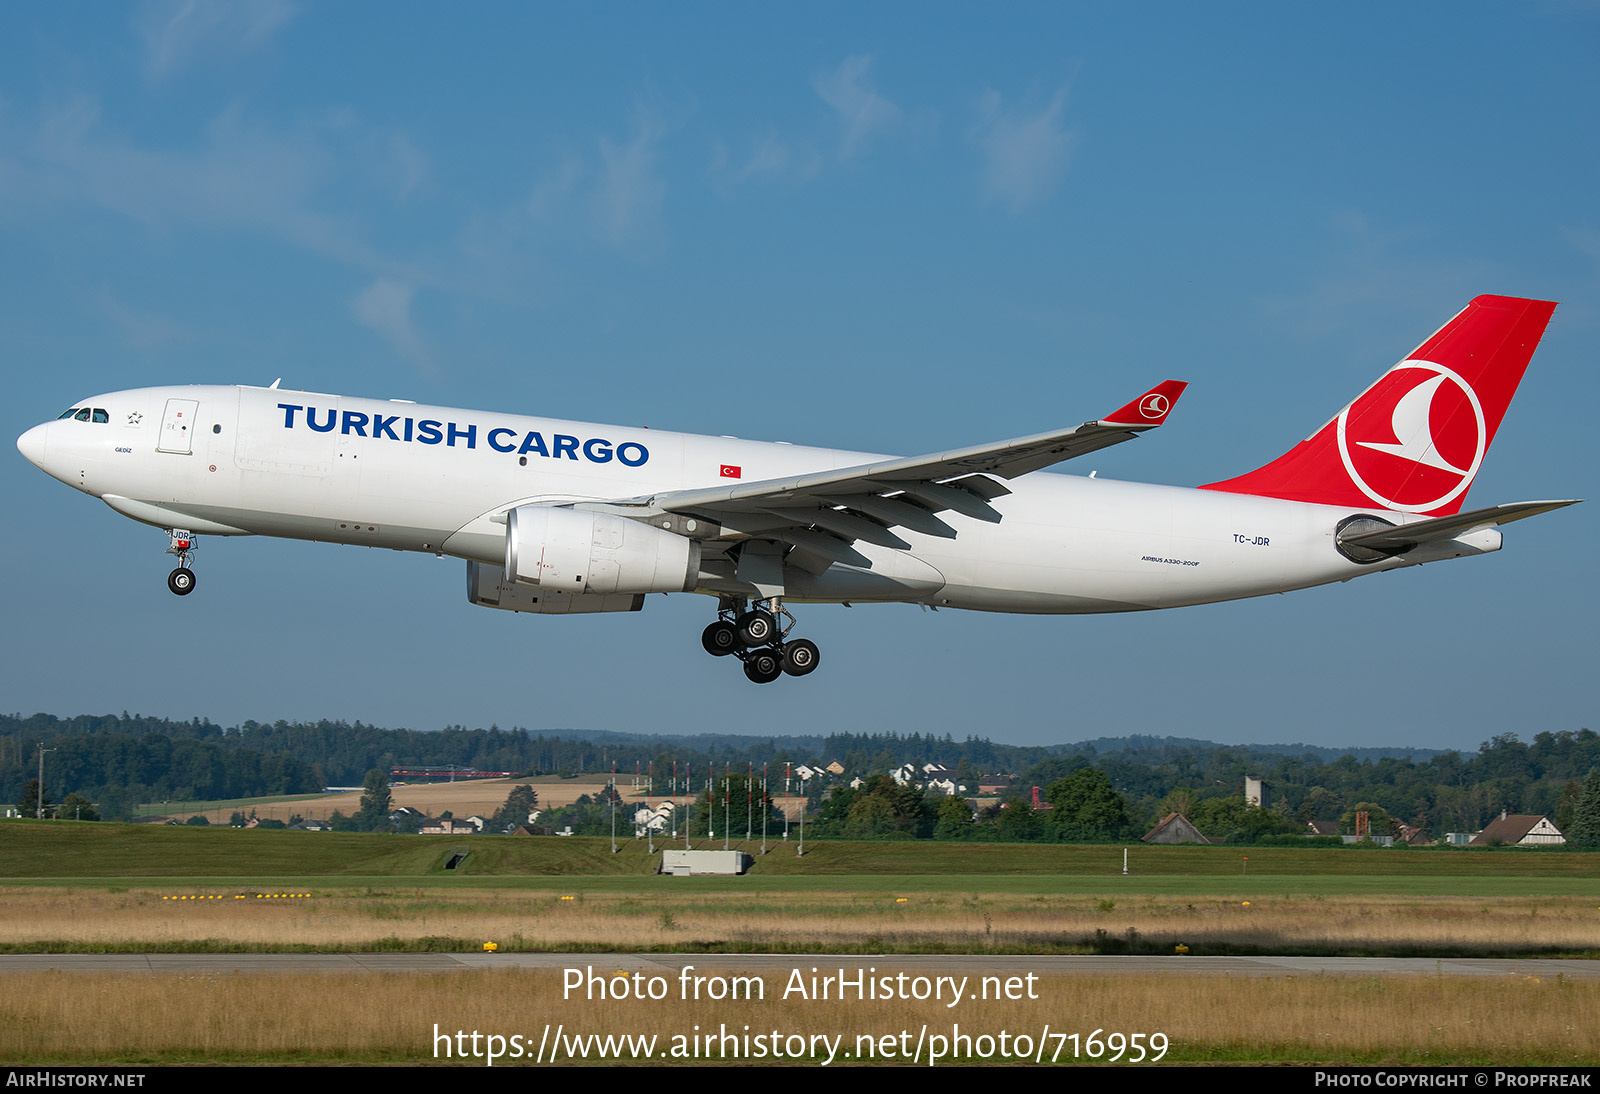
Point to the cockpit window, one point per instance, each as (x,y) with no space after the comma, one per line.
(82,415)
(65,414)
(101,416)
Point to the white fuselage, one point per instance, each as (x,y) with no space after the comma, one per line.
(244,460)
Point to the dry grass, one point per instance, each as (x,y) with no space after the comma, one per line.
(462,799)
(55,919)
(133,1019)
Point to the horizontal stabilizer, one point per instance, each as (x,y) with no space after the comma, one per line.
(1404,536)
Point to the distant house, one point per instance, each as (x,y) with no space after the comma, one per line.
(1519,830)
(1323,828)
(652,820)
(1413,837)
(930,776)
(1174,828)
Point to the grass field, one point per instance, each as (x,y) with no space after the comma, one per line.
(62,849)
(327,917)
(398,1017)
(129,888)
(66,886)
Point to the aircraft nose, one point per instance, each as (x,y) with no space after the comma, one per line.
(32,444)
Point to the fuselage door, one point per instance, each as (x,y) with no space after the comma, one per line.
(177,426)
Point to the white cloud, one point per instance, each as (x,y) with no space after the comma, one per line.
(404,164)
(385,307)
(1025,155)
(551,193)
(628,195)
(179,32)
(771,159)
(290,187)
(862,112)
(240,176)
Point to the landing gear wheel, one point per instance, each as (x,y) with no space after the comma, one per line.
(181,581)
(763,666)
(720,639)
(800,657)
(757,628)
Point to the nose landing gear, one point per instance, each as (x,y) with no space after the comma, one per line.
(181,580)
(756,637)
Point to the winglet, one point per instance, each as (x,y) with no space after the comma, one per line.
(1150,409)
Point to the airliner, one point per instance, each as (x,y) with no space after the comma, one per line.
(559,517)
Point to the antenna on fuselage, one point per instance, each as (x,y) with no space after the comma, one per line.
(275,383)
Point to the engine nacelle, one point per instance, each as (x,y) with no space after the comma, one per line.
(583,553)
(487,587)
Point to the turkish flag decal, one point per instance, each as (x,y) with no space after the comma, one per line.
(732,471)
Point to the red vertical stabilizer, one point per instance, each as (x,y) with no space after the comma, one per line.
(1414,440)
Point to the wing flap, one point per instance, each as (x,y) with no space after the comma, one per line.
(823,545)
(938,496)
(895,512)
(840,523)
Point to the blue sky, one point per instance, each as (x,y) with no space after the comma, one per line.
(894,228)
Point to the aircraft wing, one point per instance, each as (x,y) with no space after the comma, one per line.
(822,514)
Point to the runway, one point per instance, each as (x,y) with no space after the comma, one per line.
(978,965)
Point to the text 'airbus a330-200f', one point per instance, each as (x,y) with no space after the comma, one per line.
(562,517)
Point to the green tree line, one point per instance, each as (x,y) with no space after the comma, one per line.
(118,760)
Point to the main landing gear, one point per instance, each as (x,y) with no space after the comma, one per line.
(181,580)
(755,637)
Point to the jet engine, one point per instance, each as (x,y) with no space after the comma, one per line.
(582,553)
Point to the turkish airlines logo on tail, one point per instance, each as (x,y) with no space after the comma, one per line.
(1154,405)
(1414,440)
